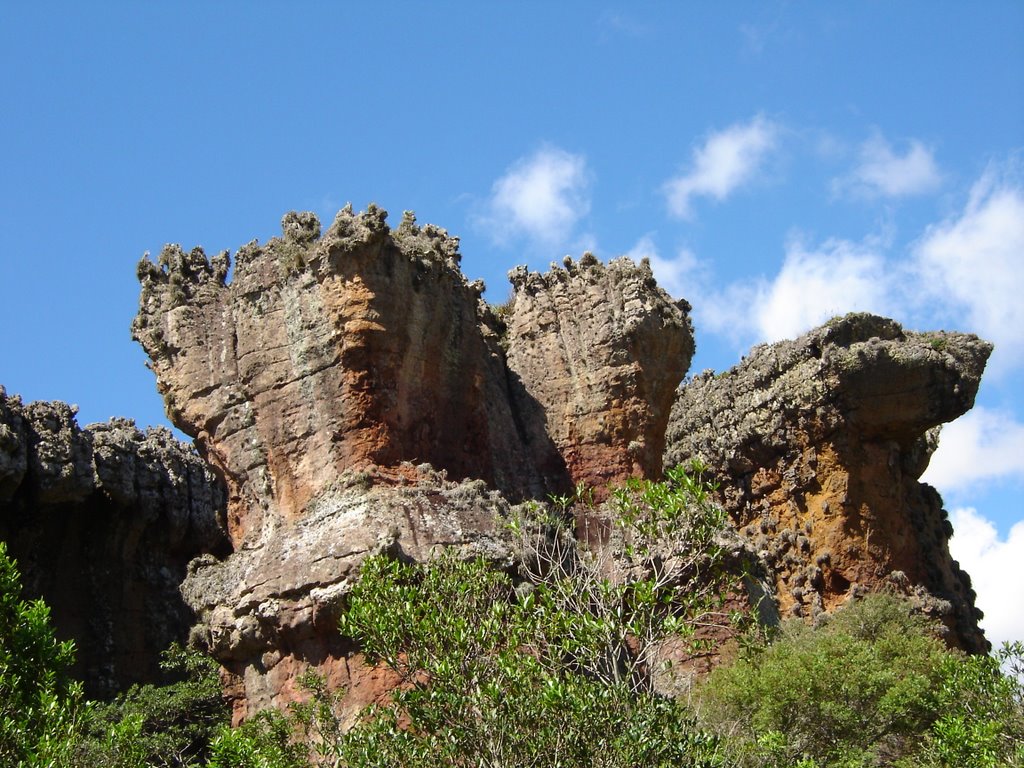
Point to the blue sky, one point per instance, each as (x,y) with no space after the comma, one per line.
(778,162)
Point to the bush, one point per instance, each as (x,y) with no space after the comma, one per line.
(164,726)
(490,679)
(39,702)
(873,686)
(548,665)
(979,712)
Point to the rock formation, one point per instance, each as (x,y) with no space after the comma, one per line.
(352,393)
(819,443)
(103,522)
(601,351)
(365,353)
(367,347)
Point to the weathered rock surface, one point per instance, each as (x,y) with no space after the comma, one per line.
(819,444)
(103,522)
(270,612)
(364,352)
(601,350)
(361,348)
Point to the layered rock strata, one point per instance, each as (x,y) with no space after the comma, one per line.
(103,522)
(819,443)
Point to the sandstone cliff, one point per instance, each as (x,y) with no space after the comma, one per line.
(352,393)
(819,443)
(103,522)
(337,372)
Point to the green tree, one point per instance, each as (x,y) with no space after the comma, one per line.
(872,686)
(39,701)
(492,680)
(159,726)
(550,663)
(979,719)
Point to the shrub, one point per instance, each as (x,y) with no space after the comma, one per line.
(490,679)
(873,686)
(979,712)
(545,665)
(164,726)
(39,702)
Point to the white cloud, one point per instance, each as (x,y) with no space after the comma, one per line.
(813,285)
(680,276)
(976,262)
(992,563)
(884,173)
(982,445)
(542,196)
(727,160)
(619,23)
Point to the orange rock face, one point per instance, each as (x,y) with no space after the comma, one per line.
(819,444)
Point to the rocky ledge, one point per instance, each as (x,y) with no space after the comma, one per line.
(103,522)
(818,444)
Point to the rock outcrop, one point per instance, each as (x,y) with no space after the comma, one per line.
(350,392)
(363,352)
(268,613)
(103,522)
(362,348)
(601,350)
(819,443)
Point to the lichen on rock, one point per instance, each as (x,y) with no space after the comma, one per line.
(819,444)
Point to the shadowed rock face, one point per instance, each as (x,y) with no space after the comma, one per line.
(103,522)
(819,444)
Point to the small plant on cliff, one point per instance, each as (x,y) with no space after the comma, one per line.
(39,702)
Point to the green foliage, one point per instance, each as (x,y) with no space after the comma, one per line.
(550,665)
(980,712)
(39,702)
(491,679)
(873,686)
(264,741)
(557,670)
(165,726)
